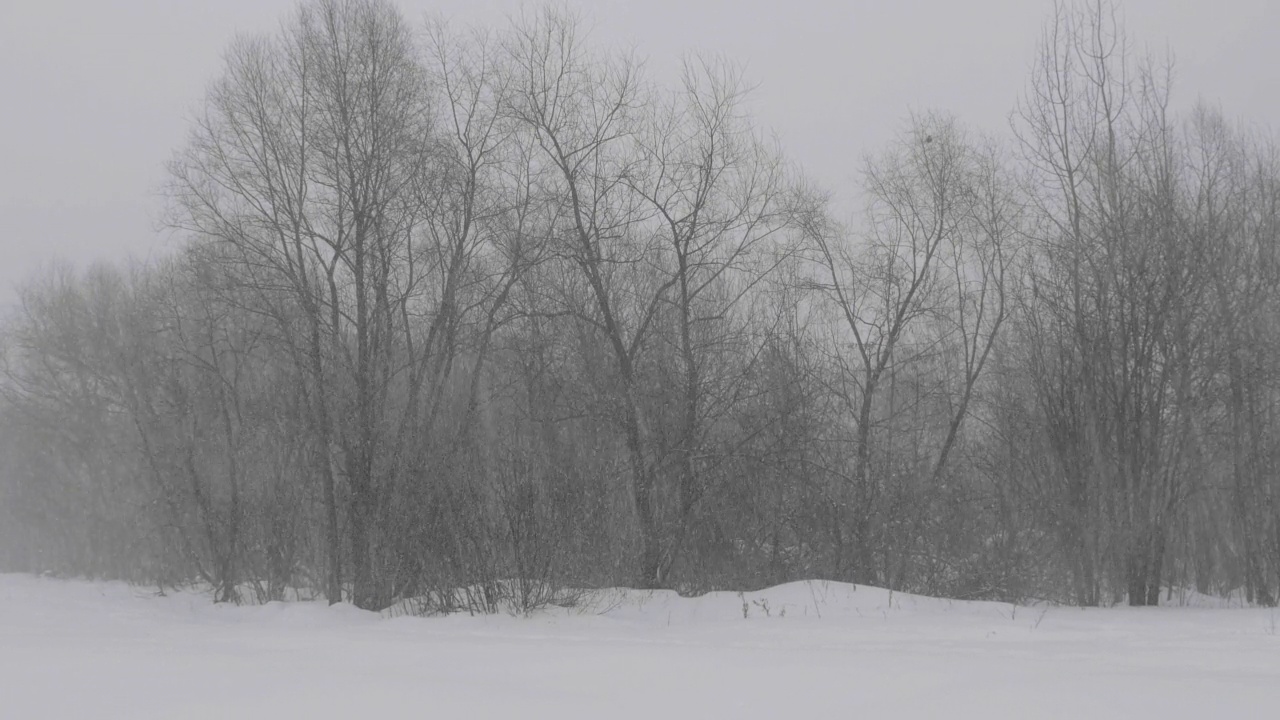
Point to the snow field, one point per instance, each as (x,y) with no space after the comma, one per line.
(73,649)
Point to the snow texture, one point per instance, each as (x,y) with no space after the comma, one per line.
(803,650)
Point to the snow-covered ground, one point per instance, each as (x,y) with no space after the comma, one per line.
(805,650)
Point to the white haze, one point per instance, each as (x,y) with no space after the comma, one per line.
(94,96)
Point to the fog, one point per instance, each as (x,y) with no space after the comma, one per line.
(97,95)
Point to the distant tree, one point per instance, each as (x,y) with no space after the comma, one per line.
(942,232)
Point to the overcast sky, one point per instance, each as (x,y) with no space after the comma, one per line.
(95,94)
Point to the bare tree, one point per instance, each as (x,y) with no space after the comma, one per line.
(304,162)
(582,113)
(722,203)
(941,233)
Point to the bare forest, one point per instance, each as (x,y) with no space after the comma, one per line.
(478,316)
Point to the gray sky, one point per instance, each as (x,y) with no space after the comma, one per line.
(95,94)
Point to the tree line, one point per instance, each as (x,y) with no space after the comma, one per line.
(474,316)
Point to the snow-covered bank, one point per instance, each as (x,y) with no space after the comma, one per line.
(813,650)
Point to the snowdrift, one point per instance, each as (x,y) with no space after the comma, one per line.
(808,649)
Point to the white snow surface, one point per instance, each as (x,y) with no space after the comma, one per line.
(71,649)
